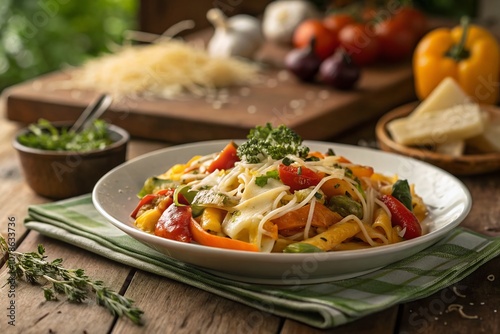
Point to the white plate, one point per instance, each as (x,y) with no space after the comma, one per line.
(447,198)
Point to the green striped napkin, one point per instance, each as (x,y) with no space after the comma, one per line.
(324,305)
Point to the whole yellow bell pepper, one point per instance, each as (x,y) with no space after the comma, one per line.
(467,53)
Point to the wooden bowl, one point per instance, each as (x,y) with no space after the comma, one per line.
(64,174)
(467,164)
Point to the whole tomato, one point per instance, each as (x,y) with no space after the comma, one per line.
(360,43)
(326,42)
(415,19)
(396,39)
(335,22)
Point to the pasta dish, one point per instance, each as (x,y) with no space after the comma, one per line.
(272,194)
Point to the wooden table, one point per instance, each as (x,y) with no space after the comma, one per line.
(173,307)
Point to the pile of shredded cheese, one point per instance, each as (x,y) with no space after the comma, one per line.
(167,69)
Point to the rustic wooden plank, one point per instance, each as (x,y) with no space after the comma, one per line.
(382,322)
(482,297)
(35,315)
(479,296)
(173,307)
(485,211)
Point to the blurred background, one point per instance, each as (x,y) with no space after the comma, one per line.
(38,37)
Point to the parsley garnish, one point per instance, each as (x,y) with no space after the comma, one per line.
(267,141)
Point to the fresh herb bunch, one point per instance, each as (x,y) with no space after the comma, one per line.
(266,141)
(44,135)
(73,283)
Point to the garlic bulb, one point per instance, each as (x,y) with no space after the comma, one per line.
(283,16)
(237,36)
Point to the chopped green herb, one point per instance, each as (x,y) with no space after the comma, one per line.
(348,173)
(318,195)
(44,135)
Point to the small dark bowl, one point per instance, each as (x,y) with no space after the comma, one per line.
(64,174)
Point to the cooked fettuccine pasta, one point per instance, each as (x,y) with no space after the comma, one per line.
(303,202)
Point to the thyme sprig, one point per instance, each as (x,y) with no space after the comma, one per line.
(73,283)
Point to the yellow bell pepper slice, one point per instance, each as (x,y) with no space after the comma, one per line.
(211,219)
(147,221)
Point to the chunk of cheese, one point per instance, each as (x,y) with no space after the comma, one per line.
(454,148)
(455,123)
(489,140)
(446,95)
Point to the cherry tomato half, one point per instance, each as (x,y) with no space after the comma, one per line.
(298,177)
(174,223)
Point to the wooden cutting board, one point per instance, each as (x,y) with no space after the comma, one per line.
(315,111)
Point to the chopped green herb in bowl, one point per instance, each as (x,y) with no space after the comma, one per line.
(46,136)
(59,163)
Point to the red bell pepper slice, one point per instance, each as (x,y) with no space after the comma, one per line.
(225,159)
(204,238)
(298,177)
(401,216)
(146,199)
